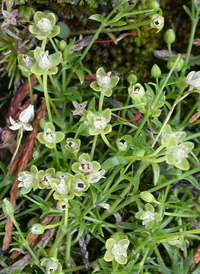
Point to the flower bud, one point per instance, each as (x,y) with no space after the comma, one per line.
(121,144)
(61,205)
(73,145)
(44,61)
(140,152)
(136,91)
(132,79)
(62,44)
(27,61)
(193,79)
(147,197)
(155,71)
(169,36)
(181,83)
(8,207)
(173,240)
(44,25)
(37,229)
(157,22)
(178,66)
(36,154)
(154,5)
(52,265)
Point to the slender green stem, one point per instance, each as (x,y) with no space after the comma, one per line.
(44,42)
(180,215)
(140,270)
(78,131)
(59,239)
(53,84)
(135,181)
(93,146)
(124,107)
(168,117)
(133,198)
(26,245)
(189,114)
(101,27)
(49,98)
(30,88)
(194,22)
(46,95)
(53,44)
(66,216)
(54,108)
(144,158)
(115,29)
(68,249)
(158,253)
(57,159)
(185,233)
(18,144)
(156,152)
(108,143)
(101,101)
(156,100)
(49,194)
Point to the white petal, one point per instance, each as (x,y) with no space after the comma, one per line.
(27,114)
(16,126)
(12,121)
(28,127)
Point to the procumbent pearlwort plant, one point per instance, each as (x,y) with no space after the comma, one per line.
(104,176)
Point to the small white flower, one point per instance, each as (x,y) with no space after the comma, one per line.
(44,25)
(44,60)
(120,250)
(104,81)
(193,79)
(116,250)
(37,229)
(49,136)
(73,145)
(24,118)
(100,122)
(27,61)
(78,185)
(52,265)
(136,90)
(180,152)
(96,176)
(26,178)
(61,187)
(45,180)
(85,166)
(147,216)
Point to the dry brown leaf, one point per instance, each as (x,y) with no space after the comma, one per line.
(194,117)
(21,161)
(196,257)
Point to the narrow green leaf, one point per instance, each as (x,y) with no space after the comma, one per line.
(118,24)
(193,181)
(174,172)
(187,10)
(150,91)
(97,17)
(127,8)
(156,173)
(115,19)
(80,75)
(110,163)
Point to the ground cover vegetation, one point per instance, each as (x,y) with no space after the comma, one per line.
(98,174)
